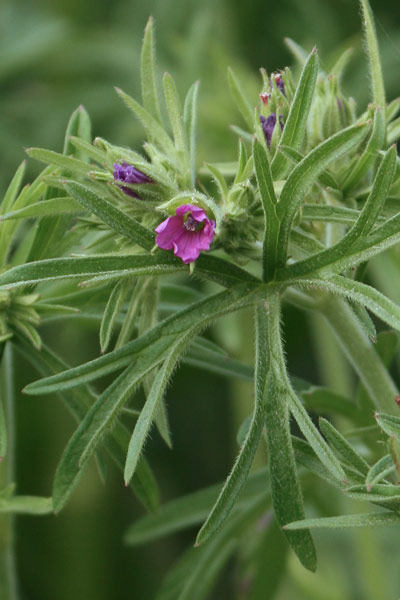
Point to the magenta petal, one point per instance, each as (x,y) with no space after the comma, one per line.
(187,241)
(186,246)
(167,232)
(185,208)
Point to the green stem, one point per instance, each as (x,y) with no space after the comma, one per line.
(8,581)
(361,354)
(273,382)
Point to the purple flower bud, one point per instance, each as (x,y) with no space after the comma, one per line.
(129,174)
(187,233)
(268,126)
(279,83)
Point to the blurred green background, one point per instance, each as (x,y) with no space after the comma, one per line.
(56,56)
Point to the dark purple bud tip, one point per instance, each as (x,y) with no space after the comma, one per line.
(129,174)
(268,126)
(397,400)
(280,84)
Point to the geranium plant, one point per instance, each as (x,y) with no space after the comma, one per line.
(313,195)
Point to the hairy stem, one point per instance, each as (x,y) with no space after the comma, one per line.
(271,375)
(8,582)
(361,354)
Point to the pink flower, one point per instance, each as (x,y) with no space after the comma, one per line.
(187,233)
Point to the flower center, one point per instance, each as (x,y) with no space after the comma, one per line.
(191,224)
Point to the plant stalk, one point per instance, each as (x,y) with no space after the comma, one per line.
(8,580)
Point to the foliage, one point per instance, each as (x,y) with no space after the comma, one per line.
(297,218)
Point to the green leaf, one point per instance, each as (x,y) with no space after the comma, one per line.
(219,180)
(221,365)
(45,208)
(342,447)
(111,312)
(69,165)
(175,117)
(326,178)
(269,203)
(190,123)
(341,64)
(312,435)
(13,189)
(393,134)
(29,194)
(286,492)
(155,396)
(357,520)
(379,492)
(342,251)
(389,424)
(306,457)
(198,314)
(295,126)
(29,332)
(238,476)
(79,126)
(381,469)
(119,266)
(78,401)
(147,73)
(154,130)
(27,505)
(375,143)
(320,399)
(188,511)
(132,311)
(242,103)
(87,149)
(359,292)
(82,267)
(378,87)
(364,319)
(304,175)
(111,215)
(98,422)
(148,319)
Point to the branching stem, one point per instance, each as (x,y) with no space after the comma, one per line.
(8,581)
